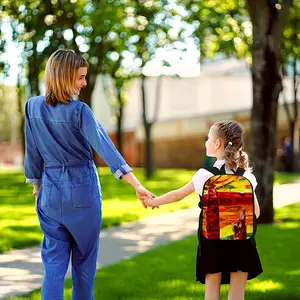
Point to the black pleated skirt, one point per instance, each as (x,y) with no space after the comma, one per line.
(214,256)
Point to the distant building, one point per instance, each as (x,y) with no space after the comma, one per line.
(188,107)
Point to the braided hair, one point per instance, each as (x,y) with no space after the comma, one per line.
(231,133)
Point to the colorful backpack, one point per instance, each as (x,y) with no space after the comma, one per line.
(227,205)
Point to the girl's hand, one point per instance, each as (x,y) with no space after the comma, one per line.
(143,193)
(149,201)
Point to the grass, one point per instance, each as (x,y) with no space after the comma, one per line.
(19,225)
(282,178)
(157,275)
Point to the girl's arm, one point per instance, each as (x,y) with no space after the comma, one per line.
(256,207)
(172,196)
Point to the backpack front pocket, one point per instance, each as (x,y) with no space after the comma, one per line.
(81,195)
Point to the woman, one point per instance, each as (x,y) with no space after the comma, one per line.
(59,134)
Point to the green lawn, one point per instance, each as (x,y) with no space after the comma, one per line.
(19,225)
(167,272)
(281,177)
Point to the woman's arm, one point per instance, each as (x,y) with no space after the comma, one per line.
(33,162)
(172,196)
(97,137)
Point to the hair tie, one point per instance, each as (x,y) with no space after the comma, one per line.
(230,143)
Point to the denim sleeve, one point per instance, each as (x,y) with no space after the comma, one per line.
(33,162)
(96,136)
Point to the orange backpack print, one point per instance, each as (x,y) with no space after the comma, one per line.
(227,204)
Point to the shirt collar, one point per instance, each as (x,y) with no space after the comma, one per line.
(219,163)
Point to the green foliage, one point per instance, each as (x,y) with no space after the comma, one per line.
(168,272)
(104,32)
(221,27)
(291,50)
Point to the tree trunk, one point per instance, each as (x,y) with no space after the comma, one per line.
(268,23)
(147,127)
(148,149)
(33,74)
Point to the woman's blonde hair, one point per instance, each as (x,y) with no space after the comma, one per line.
(231,133)
(60,75)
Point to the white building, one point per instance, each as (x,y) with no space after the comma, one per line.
(188,106)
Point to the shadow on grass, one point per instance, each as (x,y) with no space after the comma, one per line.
(24,229)
(116,221)
(19,237)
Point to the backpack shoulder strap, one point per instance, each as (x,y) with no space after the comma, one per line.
(213,170)
(240,171)
(217,171)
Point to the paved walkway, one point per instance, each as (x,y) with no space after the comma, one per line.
(21,270)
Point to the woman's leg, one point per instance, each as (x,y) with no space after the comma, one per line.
(212,286)
(55,255)
(83,272)
(238,282)
(85,229)
(83,220)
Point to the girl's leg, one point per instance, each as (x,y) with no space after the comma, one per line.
(212,286)
(238,282)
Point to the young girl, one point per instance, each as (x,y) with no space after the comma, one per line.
(221,261)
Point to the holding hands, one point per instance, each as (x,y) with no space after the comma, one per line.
(150,201)
(144,195)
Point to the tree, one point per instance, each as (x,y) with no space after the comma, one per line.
(268,19)
(291,56)
(220,27)
(117,96)
(224,26)
(87,27)
(152,21)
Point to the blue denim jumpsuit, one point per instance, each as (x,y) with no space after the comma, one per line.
(58,157)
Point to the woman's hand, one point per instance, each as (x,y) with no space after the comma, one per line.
(36,203)
(142,193)
(35,193)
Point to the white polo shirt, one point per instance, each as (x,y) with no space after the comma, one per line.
(202,175)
